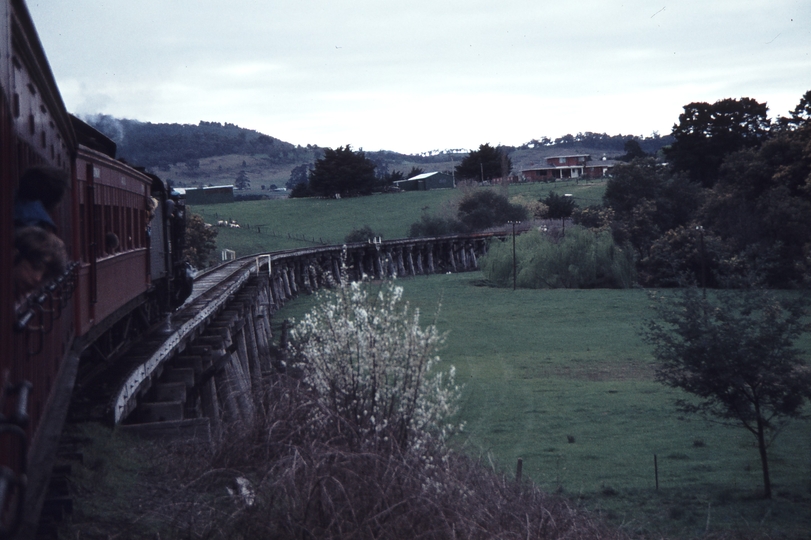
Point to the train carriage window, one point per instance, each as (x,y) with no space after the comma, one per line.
(139,227)
(129,228)
(108,223)
(99,228)
(82,233)
(116,229)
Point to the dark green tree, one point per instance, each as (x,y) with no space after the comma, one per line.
(761,205)
(707,133)
(342,172)
(486,163)
(559,207)
(648,200)
(800,115)
(630,184)
(686,256)
(632,151)
(242,181)
(737,359)
(298,175)
(484,208)
(201,241)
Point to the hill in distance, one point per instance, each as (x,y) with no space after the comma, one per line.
(211,153)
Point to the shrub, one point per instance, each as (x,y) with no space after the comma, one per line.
(362,234)
(580,259)
(484,208)
(558,206)
(372,367)
(434,226)
(535,209)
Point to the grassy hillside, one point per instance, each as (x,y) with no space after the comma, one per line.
(283,223)
(561,379)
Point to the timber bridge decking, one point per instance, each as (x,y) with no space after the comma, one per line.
(198,371)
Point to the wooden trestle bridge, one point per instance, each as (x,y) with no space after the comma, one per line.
(198,371)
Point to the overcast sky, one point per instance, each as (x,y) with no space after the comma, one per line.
(419,75)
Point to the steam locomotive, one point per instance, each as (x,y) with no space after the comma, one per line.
(123,231)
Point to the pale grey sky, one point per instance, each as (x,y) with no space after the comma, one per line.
(419,75)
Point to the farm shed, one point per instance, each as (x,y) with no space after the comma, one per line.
(426,181)
(209,195)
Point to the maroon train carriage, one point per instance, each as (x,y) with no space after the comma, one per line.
(113,201)
(130,243)
(124,232)
(35,336)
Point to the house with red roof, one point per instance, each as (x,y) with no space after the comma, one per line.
(568,166)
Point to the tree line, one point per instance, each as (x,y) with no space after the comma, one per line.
(728,205)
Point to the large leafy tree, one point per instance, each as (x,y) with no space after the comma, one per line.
(800,115)
(737,359)
(558,206)
(342,172)
(633,150)
(760,207)
(486,163)
(200,241)
(484,208)
(648,200)
(298,175)
(707,133)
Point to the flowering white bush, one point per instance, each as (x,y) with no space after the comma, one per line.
(373,368)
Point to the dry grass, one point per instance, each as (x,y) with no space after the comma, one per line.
(282,479)
(279,477)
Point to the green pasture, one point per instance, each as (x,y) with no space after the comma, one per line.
(562,380)
(292,223)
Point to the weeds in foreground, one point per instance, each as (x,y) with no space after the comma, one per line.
(281,479)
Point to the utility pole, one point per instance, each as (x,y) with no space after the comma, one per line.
(514,223)
(700,230)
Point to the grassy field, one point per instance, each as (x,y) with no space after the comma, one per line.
(285,223)
(561,379)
